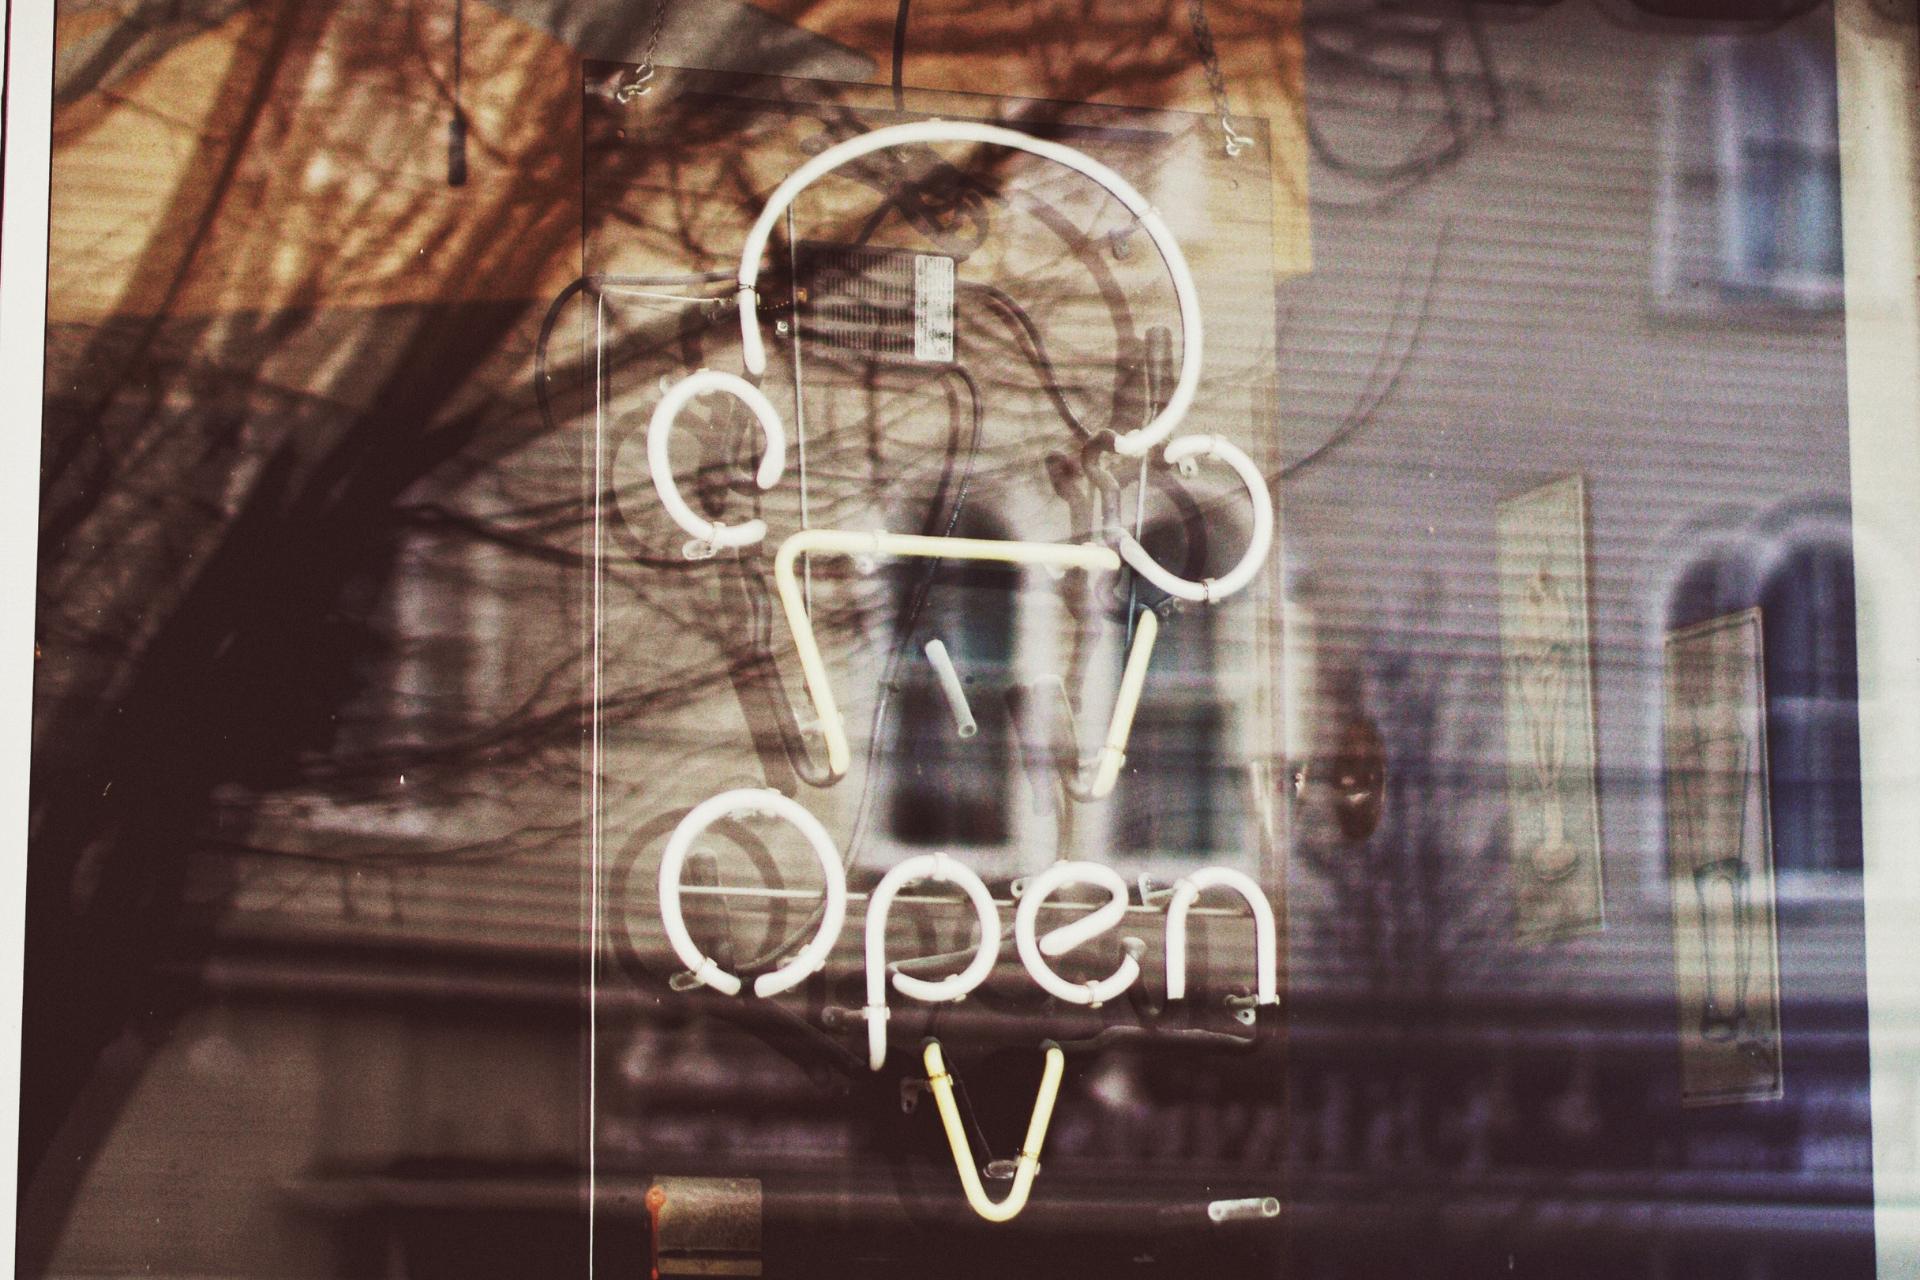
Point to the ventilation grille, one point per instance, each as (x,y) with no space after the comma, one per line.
(889,305)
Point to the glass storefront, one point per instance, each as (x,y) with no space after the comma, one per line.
(821,638)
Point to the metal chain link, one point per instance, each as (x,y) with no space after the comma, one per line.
(1236,142)
(642,82)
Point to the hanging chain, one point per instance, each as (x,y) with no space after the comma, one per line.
(642,82)
(1236,141)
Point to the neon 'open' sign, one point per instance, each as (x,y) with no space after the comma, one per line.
(1098,774)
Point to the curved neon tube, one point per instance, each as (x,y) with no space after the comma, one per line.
(1213,589)
(1113,752)
(1266,942)
(1028,1163)
(1134,443)
(934,866)
(847,542)
(1033,949)
(740,803)
(956,693)
(708,533)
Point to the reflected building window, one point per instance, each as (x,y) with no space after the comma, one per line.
(431,648)
(1813,727)
(1749,200)
(430,670)
(1805,594)
(947,790)
(1180,795)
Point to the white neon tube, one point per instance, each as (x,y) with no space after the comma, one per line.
(1251,1209)
(1028,1163)
(707,533)
(744,802)
(934,866)
(848,542)
(1266,940)
(1033,950)
(1113,752)
(1213,589)
(963,722)
(1134,443)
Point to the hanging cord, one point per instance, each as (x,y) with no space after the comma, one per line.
(899,54)
(1236,142)
(457,127)
(642,83)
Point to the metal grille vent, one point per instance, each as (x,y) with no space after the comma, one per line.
(889,305)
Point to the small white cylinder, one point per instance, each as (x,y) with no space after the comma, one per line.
(956,692)
(1249,1210)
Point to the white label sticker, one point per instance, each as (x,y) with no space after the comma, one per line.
(932,308)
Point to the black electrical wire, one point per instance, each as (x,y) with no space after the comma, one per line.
(457,127)
(1034,347)
(1126,1034)
(1635,15)
(899,54)
(1458,130)
(1369,403)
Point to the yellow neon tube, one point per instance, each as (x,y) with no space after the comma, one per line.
(1028,1164)
(852,543)
(1113,752)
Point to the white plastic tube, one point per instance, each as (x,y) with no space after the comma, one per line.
(708,534)
(1028,1163)
(1105,766)
(956,693)
(1266,939)
(1213,589)
(929,866)
(1251,1209)
(744,802)
(848,542)
(1034,949)
(1134,443)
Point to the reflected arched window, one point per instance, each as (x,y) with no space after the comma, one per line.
(1807,625)
(947,790)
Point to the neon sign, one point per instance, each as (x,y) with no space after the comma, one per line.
(1098,774)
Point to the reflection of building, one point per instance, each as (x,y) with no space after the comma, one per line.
(1620,273)
(397,1045)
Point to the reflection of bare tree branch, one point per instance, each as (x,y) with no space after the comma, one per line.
(1382,49)
(134,37)
(312,366)
(1422,906)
